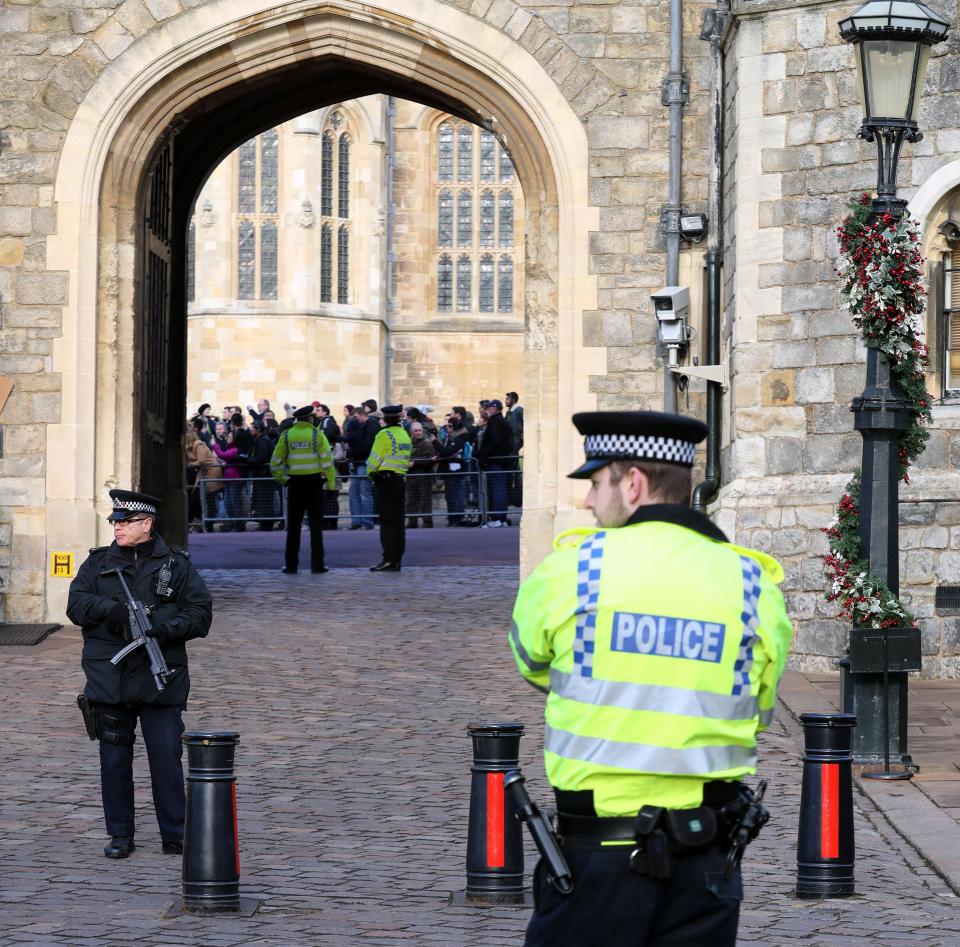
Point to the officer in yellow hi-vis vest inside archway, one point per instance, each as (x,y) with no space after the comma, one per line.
(660,645)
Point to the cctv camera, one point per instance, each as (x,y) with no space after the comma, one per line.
(671,303)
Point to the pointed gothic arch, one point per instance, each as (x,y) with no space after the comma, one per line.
(209,79)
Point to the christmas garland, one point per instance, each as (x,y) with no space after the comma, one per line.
(883,287)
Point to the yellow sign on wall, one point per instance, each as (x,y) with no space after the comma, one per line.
(61,565)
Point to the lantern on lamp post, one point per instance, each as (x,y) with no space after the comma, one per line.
(891,41)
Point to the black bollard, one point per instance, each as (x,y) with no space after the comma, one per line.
(211,845)
(825,850)
(495,835)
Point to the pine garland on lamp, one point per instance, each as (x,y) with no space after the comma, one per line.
(883,287)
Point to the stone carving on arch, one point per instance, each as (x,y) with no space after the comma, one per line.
(462,64)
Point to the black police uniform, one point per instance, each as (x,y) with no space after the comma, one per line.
(180,606)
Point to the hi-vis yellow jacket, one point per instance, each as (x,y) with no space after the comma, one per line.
(303,449)
(391,451)
(661,648)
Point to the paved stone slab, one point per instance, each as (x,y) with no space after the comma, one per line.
(352,698)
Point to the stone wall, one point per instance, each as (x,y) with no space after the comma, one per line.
(796,358)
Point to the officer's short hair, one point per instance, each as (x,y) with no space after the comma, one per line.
(669,483)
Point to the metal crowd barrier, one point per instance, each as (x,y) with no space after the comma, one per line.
(237,501)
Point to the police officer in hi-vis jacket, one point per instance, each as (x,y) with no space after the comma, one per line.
(659,644)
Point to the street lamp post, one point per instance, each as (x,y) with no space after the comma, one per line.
(891,41)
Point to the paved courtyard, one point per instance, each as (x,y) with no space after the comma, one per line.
(352,694)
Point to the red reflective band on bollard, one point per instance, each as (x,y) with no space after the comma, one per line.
(494,834)
(236,829)
(495,828)
(830,811)
(825,843)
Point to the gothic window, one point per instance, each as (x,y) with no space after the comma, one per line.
(444,283)
(505,284)
(465,153)
(269,147)
(506,168)
(445,218)
(247,178)
(506,219)
(464,283)
(335,222)
(246,260)
(268,260)
(488,157)
(464,219)
(326,175)
(191,262)
(445,152)
(487,209)
(258,162)
(343,264)
(476,215)
(343,179)
(486,283)
(326,264)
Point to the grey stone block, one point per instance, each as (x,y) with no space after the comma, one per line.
(783,455)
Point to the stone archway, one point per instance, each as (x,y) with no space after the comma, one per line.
(214,78)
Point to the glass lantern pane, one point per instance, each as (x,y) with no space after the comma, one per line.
(888,75)
(921,72)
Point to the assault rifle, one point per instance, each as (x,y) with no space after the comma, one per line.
(558,871)
(140,624)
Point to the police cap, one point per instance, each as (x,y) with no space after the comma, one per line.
(127,505)
(392,410)
(303,413)
(636,435)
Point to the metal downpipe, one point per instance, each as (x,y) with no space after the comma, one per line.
(705,492)
(674,197)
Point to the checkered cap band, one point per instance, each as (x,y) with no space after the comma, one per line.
(639,447)
(134,506)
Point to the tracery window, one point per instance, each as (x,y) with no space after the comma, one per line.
(465,153)
(487,209)
(343,264)
(258,201)
(486,282)
(506,219)
(335,254)
(480,280)
(445,218)
(464,283)
(505,284)
(191,262)
(343,178)
(444,283)
(326,264)
(464,219)
(326,175)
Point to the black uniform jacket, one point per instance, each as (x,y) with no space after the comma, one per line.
(186,613)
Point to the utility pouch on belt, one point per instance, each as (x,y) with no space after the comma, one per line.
(89,715)
(663,834)
(116,730)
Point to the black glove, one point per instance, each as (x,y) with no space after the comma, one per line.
(118,620)
(161,633)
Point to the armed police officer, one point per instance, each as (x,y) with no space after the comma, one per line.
(303,462)
(178,606)
(387,467)
(660,645)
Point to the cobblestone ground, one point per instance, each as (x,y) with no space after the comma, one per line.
(352,694)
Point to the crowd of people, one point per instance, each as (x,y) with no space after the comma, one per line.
(475,459)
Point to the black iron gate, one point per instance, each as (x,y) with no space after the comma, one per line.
(155,324)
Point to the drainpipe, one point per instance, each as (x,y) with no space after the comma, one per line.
(674,94)
(388,226)
(714,29)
